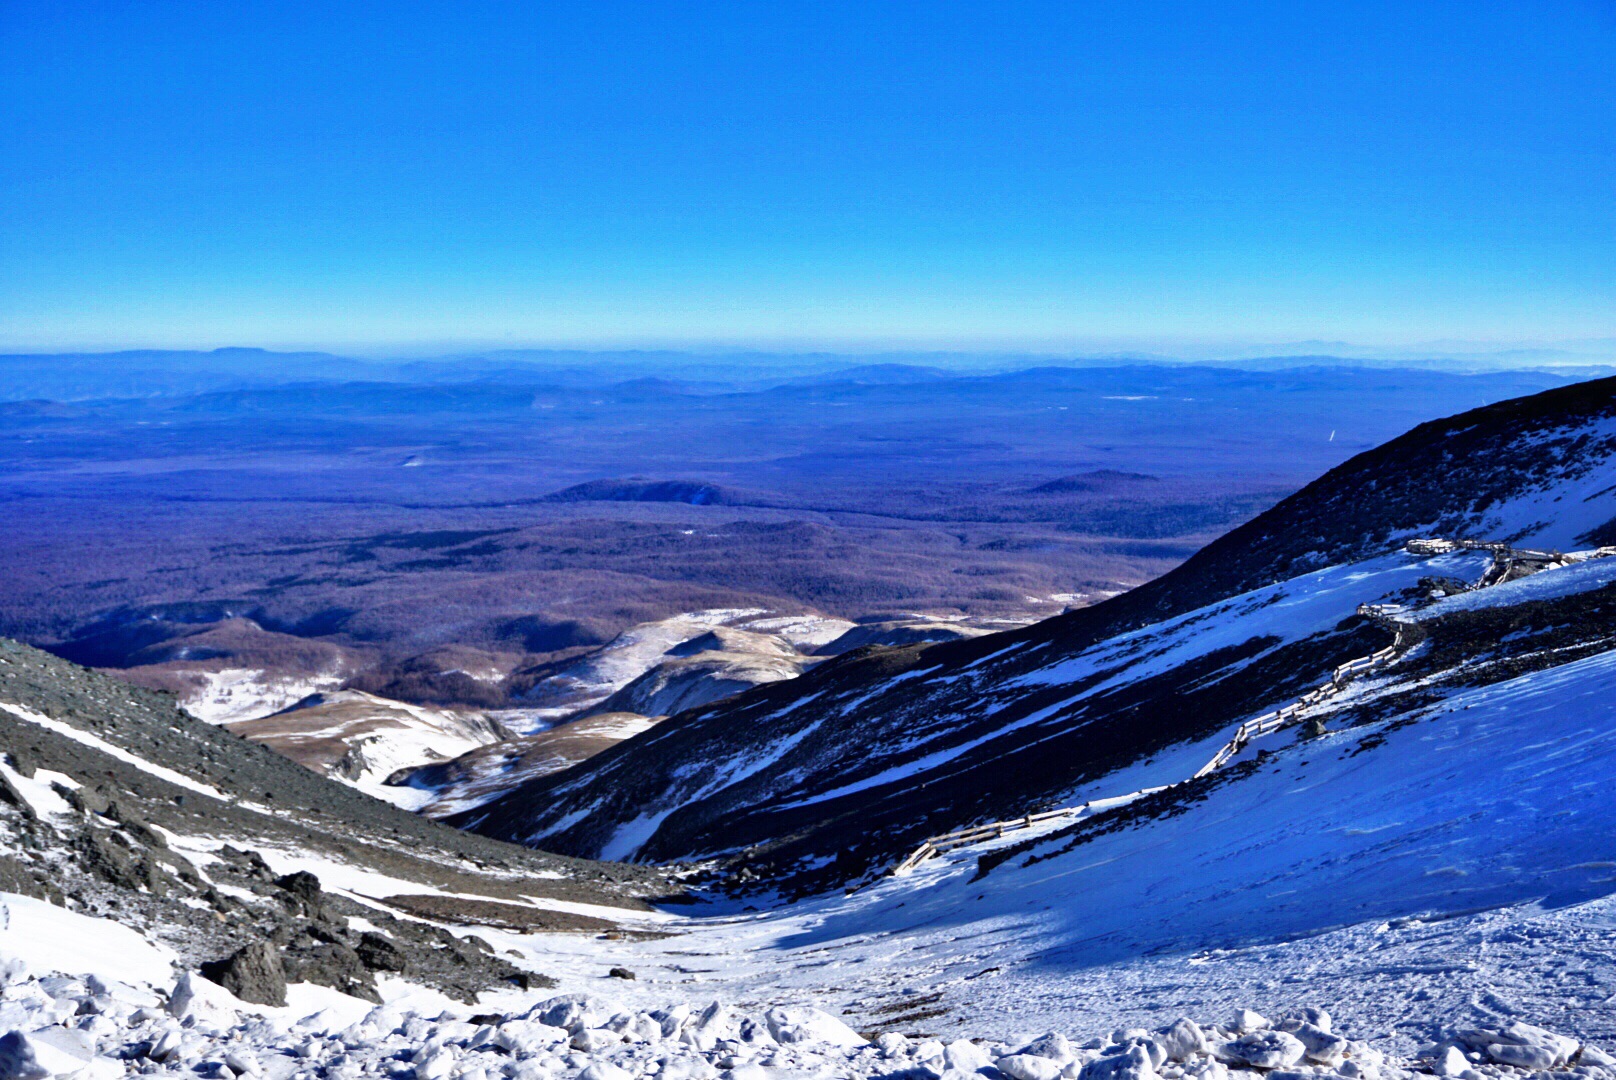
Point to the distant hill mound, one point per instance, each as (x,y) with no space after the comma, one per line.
(634,489)
(1098,480)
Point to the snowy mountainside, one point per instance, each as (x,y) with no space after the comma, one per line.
(831,777)
(877,764)
(698,657)
(1443,841)
(489,771)
(363,739)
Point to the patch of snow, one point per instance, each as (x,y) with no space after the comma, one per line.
(232,694)
(52,939)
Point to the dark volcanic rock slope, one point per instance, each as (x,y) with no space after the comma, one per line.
(114,802)
(834,775)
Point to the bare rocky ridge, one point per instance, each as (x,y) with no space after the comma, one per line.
(116,803)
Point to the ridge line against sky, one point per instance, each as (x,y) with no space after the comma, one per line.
(1187,177)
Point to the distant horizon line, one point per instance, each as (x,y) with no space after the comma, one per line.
(1565,352)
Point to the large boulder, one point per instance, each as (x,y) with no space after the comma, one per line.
(378,953)
(253,973)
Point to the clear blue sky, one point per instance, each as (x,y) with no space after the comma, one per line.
(932,173)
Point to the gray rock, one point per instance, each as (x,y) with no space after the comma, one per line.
(303,885)
(253,973)
(378,953)
(10,795)
(333,964)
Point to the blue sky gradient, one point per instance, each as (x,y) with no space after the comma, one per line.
(1056,175)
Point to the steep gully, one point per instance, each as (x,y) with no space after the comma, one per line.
(1509,563)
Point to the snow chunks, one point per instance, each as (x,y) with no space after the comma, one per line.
(1263,1050)
(802,1024)
(1128,1063)
(1320,1045)
(1183,1039)
(1029,1067)
(526,1037)
(1521,1045)
(52,1052)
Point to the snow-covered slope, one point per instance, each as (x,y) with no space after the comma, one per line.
(489,771)
(584,685)
(828,778)
(363,739)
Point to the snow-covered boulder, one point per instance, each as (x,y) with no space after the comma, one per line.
(1309,1015)
(800,1024)
(1263,1050)
(1592,1055)
(523,1037)
(1323,1047)
(200,1001)
(891,1044)
(594,1040)
(1206,1068)
(643,1028)
(603,1070)
(572,1013)
(1246,1021)
(715,1022)
(1151,1045)
(1451,1062)
(963,1055)
(1132,1063)
(51,1052)
(1522,1045)
(1052,1045)
(1029,1067)
(1182,1039)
